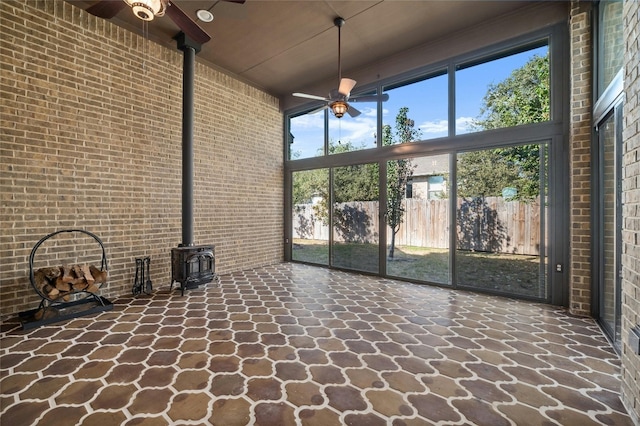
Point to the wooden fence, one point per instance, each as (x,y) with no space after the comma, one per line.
(484,224)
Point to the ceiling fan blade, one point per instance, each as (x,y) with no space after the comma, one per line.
(352,111)
(317,110)
(346,84)
(186,24)
(370,98)
(304,95)
(235,1)
(106,9)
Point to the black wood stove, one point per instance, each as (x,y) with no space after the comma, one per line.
(192,266)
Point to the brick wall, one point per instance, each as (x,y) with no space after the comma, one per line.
(84,147)
(580,158)
(631,208)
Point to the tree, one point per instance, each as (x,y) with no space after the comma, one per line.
(483,174)
(398,173)
(352,183)
(308,184)
(522,98)
(358,182)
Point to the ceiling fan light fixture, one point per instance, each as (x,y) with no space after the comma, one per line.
(339,108)
(146,9)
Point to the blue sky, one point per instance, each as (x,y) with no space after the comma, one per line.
(427,103)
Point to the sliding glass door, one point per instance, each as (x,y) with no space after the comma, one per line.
(418,214)
(355,217)
(607,169)
(609,216)
(310,216)
(337,227)
(501,217)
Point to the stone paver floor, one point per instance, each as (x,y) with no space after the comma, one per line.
(292,344)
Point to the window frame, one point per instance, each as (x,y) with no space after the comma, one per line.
(505,53)
(601,93)
(555,131)
(608,103)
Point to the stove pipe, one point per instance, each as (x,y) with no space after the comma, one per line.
(189,48)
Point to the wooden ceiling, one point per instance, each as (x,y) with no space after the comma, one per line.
(286,46)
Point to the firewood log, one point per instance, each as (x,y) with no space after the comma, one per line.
(67,273)
(86,270)
(93,289)
(79,284)
(63,286)
(98,275)
(60,281)
(45,276)
(41,280)
(54,293)
(46,288)
(39,314)
(77,271)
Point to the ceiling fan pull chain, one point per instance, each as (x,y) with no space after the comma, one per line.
(145,45)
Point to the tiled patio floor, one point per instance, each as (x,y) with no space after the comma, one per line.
(298,345)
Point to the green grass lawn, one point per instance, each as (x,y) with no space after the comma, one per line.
(508,273)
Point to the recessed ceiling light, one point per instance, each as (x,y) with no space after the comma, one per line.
(204,15)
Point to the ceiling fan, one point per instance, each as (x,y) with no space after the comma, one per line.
(148,9)
(337,100)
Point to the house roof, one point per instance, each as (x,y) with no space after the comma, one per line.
(431,166)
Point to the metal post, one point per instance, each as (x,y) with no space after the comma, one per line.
(190,48)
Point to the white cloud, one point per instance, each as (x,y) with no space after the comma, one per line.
(435,127)
(309,121)
(369,112)
(464,125)
(358,129)
(441,127)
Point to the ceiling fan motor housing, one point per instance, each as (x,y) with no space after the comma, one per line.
(339,108)
(146,9)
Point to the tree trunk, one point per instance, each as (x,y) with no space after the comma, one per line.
(392,246)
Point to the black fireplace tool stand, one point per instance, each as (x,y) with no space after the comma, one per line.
(143,277)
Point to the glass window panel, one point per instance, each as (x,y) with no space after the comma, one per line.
(418,227)
(427,105)
(355,217)
(610,42)
(354,133)
(505,92)
(311,216)
(610,228)
(306,136)
(501,220)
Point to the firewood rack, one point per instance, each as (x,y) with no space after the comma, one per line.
(52,310)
